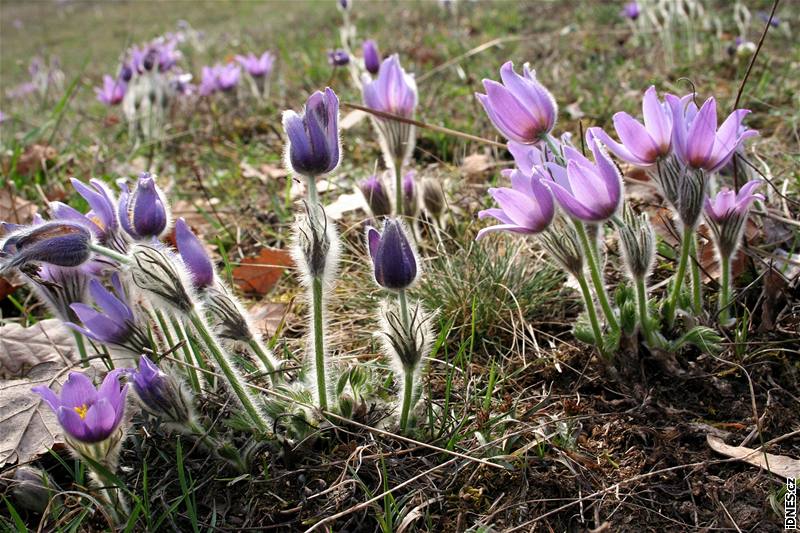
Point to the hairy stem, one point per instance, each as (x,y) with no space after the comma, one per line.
(82,349)
(398,185)
(592,312)
(644,315)
(408,391)
(725,290)
(597,278)
(401,298)
(261,352)
(697,281)
(239,388)
(194,380)
(319,342)
(311,189)
(672,301)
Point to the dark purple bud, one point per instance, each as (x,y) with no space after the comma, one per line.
(150,59)
(125,73)
(375,194)
(344,4)
(194,256)
(32,489)
(338,58)
(393,258)
(372,58)
(314,135)
(159,392)
(61,243)
(147,208)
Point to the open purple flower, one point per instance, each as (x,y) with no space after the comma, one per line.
(376,196)
(87,414)
(696,139)
(143,213)
(112,92)
(194,256)
(393,258)
(521,108)
(208,80)
(60,243)
(588,191)
(728,203)
(228,76)
(372,58)
(314,135)
(257,66)
(642,145)
(393,91)
(631,10)
(527,207)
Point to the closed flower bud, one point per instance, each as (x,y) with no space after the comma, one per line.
(316,247)
(338,58)
(32,489)
(410,203)
(160,393)
(313,148)
(393,257)
(194,256)
(562,243)
(156,270)
(638,244)
(63,243)
(144,212)
(372,58)
(375,194)
(433,197)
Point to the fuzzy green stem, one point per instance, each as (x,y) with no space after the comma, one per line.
(102,250)
(401,298)
(263,356)
(194,380)
(408,391)
(551,143)
(82,349)
(398,185)
(697,281)
(592,312)
(644,315)
(319,342)
(219,356)
(672,301)
(311,189)
(597,278)
(725,290)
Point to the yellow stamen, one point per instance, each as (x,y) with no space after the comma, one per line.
(81,410)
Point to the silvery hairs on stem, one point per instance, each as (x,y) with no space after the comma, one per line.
(562,243)
(317,247)
(637,243)
(405,346)
(157,271)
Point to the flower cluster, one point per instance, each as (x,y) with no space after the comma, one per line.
(680,146)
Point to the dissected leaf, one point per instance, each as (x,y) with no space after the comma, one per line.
(21,348)
(259,274)
(28,427)
(780,465)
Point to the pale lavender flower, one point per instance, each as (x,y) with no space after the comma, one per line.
(521,108)
(393,91)
(727,214)
(112,92)
(631,10)
(257,66)
(527,207)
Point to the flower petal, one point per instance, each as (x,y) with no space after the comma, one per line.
(77,391)
(701,136)
(657,120)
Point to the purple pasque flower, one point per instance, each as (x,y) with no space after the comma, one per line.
(727,213)
(208,81)
(60,243)
(143,213)
(393,91)
(338,58)
(642,145)
(194,256)
(228,76)
(372,57)
(167,54)
(159,392)
(528,156)
(774,21)
(521,108)
(631,10)
(125,73)
(393,258)
(695,137)
(86,414)
(257,66)
(112,92)
(591,192)
(527,207)
(112,322)
(376,196)
(314,135)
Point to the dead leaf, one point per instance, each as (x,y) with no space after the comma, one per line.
(28,427)
(780,465)
(259,274)
(6,287)
(344,204)
(352,118)
(34,158)
(15,209)
(267,317)
(476,166)
(23,348)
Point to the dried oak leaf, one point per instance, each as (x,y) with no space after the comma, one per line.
(24,348)
(780,465)
(15,209)
(259,274)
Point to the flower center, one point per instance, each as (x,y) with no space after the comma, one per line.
(81,410)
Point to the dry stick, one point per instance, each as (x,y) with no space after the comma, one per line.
(424,125)
(351,422)
(746,77)
(477,50)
